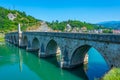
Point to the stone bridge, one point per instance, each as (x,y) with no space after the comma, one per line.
(69,48)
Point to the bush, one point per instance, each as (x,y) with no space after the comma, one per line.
(113,74)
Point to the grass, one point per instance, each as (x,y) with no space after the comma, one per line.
(1,37)
(113,74)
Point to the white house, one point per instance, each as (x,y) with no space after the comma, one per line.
(11,16)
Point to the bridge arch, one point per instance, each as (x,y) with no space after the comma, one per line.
(35,43)
(25,41)
(12,39)
(54,49)
(79,55)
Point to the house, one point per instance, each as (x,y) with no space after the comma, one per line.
(68,28)
(116,31)
(11,16)
(84,29)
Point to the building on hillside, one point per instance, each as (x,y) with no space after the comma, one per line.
(84,29)
(11,16)
(44,28)
(68,28)
(74,30)
(116,31)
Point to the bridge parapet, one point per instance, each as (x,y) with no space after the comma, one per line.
(112,38)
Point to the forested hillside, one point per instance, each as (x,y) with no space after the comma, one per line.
(9,20)
(56,25)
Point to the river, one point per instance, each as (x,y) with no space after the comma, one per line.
(17,64)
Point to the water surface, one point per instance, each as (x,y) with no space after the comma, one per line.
(17,64)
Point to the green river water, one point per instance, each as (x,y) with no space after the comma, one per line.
(17,64)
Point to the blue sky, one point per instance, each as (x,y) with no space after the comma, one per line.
(92,11)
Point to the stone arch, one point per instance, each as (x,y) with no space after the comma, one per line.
(8,37)
(51,47)
(12,39)
(25,41)
(15,39)
(54,49)
(35,43)
(78,55)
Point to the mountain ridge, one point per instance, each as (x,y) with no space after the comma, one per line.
(110,24)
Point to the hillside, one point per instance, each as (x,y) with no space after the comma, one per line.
(110,24)
(9,20)
(73,25)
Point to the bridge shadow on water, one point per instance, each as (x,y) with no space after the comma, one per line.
(48,68)
(78,71)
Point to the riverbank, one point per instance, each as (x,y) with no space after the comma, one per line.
(113,74)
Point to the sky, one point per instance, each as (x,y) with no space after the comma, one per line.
(92,11)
